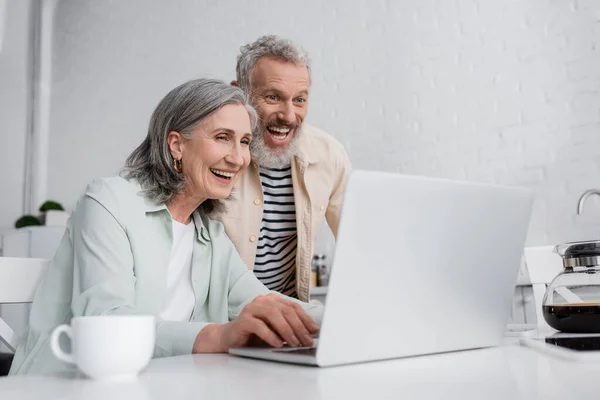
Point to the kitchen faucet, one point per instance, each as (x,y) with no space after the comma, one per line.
(584,197)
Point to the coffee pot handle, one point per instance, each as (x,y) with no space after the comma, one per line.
(55,344)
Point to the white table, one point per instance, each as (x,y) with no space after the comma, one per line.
(507,372)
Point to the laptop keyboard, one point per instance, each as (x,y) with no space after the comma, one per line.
(310,351)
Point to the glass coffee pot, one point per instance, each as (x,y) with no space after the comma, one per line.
(572,300)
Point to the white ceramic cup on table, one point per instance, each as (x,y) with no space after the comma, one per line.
(108,347)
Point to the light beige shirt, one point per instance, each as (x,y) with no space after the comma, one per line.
(319,174)
(114,258)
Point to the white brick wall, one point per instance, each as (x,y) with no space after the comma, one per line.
(496,91)
(15,105)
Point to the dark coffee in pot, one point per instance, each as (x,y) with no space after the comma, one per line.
(573,318)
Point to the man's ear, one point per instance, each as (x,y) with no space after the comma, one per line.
(175,142)
(234,83)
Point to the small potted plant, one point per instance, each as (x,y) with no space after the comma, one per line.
(52,213)
(27,220)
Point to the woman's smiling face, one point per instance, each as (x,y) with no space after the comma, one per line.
(216,152)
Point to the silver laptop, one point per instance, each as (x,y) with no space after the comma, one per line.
(421,266)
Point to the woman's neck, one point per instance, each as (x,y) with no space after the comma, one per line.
(182,206)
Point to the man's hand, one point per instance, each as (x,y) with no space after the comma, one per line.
(271,318)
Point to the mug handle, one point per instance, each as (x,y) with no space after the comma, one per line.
(55,345)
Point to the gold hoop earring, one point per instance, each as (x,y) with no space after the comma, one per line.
(177,165)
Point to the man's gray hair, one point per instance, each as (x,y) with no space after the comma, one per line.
(267,46)
(181,110)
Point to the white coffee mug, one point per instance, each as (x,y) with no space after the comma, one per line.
(108,347)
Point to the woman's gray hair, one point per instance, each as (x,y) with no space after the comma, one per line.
(267,46)
(182,110)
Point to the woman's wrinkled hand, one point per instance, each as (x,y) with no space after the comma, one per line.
(270,318)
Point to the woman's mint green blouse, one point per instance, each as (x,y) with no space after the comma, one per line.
(113,259)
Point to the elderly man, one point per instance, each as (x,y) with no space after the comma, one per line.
(298,172)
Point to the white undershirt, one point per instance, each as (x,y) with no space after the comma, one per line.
(180,300)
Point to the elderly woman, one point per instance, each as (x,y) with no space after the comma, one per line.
(144,243)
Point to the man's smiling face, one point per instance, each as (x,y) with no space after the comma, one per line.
(280,96)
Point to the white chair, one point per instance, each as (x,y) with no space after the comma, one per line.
(19,278)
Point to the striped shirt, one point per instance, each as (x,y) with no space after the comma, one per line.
(275,264)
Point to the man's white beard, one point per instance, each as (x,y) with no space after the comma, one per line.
(265,157)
